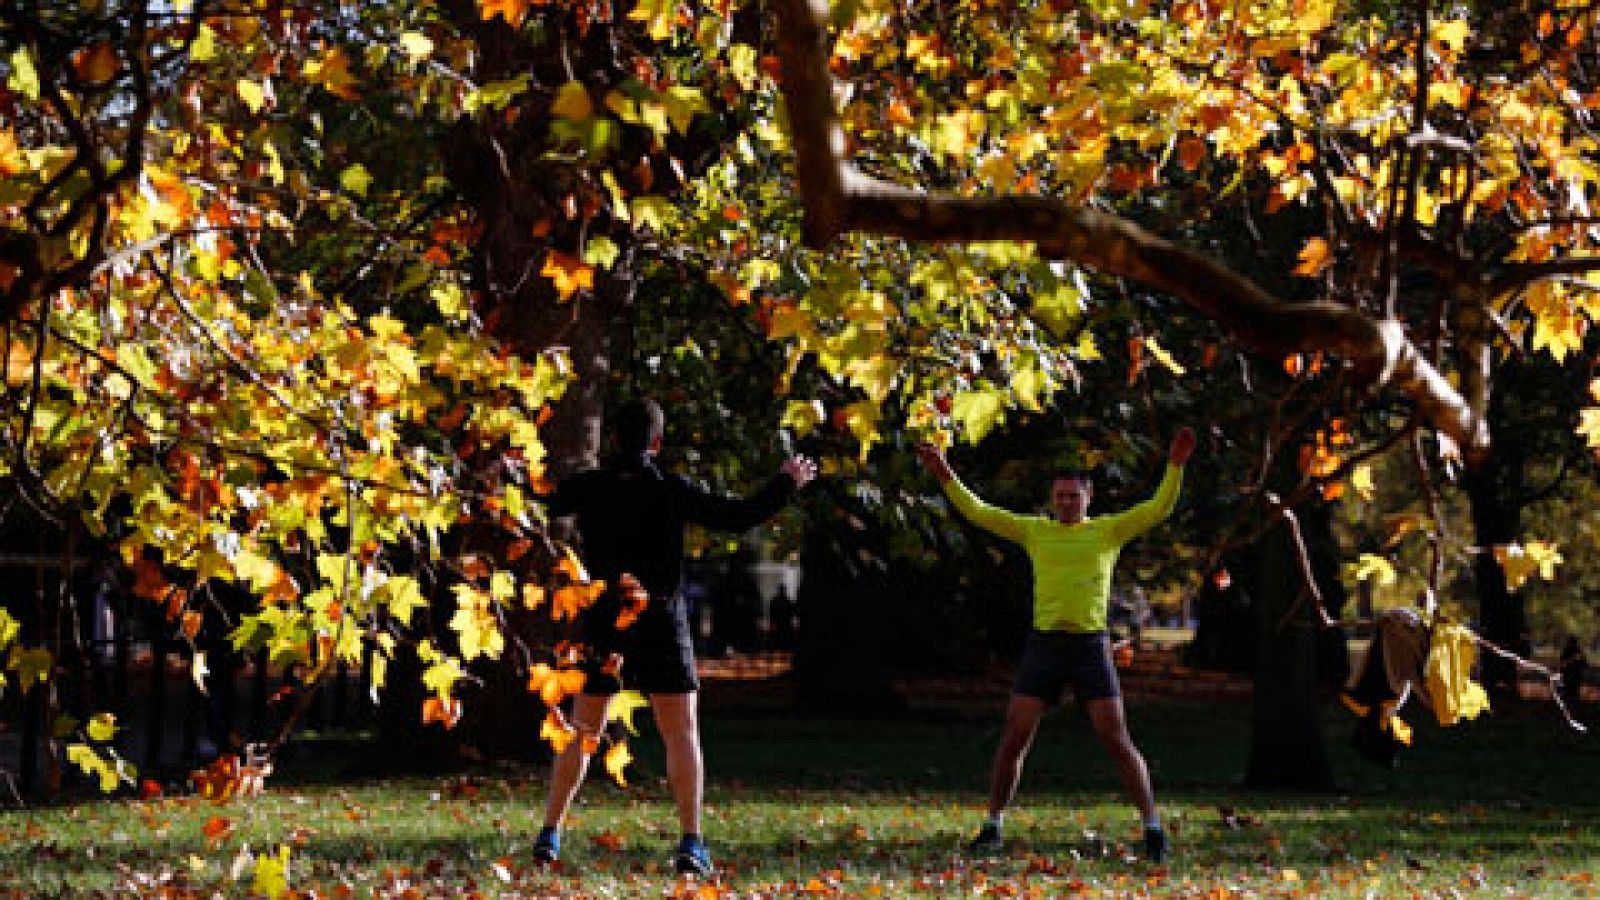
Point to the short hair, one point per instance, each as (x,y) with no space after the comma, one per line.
(637,424)
(1073,472)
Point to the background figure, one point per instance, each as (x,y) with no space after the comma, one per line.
(784,616)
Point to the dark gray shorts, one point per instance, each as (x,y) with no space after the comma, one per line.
(657,650)
(1054,659)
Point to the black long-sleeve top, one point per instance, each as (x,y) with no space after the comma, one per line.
(631,518)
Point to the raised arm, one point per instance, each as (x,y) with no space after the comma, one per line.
(731,513)
(1138,519)
(992,519)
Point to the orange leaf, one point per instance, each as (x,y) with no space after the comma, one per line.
(148,582)
(568,601)
(1191,150)
(513,11)
(1314,257)
(216,830)
(569,273)
(556,730)
(446,712)
(97,62)
(616,760)
(572,567)
(192,620)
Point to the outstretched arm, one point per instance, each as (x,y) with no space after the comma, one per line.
(1136,520)
(992,519)
(732,513)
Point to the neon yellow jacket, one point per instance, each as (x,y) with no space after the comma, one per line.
(1072,564)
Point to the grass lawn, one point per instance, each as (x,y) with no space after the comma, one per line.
(1505,807)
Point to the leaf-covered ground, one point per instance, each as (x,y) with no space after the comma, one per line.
(879,808)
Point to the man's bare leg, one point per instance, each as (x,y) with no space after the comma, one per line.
(1023,714)
(566,774)
(677,720)
(1111,726)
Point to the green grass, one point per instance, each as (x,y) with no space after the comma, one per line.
(861,808)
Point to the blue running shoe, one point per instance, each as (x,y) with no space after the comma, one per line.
(988,842)
(1155,844)
(692,857)
(547,846)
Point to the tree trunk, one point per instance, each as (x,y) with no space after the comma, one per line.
(1287,748)
(1493,487)
(839,658)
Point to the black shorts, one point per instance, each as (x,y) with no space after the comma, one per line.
(1054,659)
(657,650)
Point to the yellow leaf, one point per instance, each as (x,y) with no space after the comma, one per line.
(332,71)
(572,102)
(1589,426)
(1314,257)
(251,93)
(623,706)
(272,873)
(804,416)
(569,273)
(102,727)
(417,46)
(978,412)
(1374,567)
(1452,34)
(659,16)
(1160,354)
(1361,481)
(92,763)
(861,419)
(1514,563)
(9,628)
(616,760)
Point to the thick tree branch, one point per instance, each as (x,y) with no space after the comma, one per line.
(838,198)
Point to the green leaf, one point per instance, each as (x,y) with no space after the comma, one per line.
(32,665)
(356,179)
(496,95)
(601,251)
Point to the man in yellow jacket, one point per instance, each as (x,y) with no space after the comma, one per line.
(1073,556)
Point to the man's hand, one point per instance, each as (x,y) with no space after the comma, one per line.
(933,460)
(801,468)
(1182,446)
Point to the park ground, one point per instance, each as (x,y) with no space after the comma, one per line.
(856,807)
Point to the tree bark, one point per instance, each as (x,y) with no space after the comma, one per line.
(1493,488)
(1287,747)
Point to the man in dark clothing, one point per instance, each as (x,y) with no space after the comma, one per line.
(630,518)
